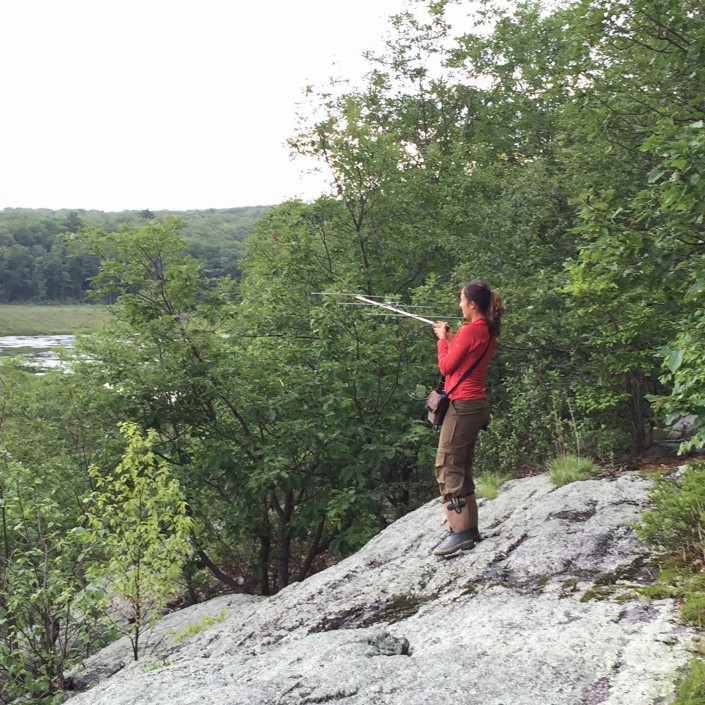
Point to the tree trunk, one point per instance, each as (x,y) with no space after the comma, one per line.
(313,550)
(635,385)
(284,553)
(265,549)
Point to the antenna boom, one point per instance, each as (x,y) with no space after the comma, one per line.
(400,311)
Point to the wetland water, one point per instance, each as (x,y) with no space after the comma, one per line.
(38,352)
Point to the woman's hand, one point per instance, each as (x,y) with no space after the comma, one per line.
(443,331)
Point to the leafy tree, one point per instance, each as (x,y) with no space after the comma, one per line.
(268,420)
(48,617)
(640,102)
(473,179)
(138,526)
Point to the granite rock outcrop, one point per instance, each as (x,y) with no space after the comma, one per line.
(525,618)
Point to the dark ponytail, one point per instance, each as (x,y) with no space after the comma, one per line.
(488,301)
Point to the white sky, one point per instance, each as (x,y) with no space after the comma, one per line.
(167,104)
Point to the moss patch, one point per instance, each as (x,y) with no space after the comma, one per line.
(400,608)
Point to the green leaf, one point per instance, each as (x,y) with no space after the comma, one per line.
(656,174)
(674,361)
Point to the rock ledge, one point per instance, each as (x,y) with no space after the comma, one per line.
(508,623)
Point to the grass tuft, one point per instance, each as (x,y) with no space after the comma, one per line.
(193,629)
(489,484)
(691,689)
(570,468)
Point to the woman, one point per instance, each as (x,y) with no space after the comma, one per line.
(471,347)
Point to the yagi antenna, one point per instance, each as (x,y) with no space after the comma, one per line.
(369,301)
(389,307)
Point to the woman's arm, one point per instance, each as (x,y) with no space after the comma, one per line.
(465,341)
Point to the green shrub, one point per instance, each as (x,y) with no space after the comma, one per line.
(677,523)
(489,483)
(518,434)
(49,619)
(137,522)
(570,468)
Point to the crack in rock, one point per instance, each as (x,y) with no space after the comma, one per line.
(397,609)
(338,695)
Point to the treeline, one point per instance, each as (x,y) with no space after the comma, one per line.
(40,263)
(554,152)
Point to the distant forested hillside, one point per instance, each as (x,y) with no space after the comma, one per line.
(39,265)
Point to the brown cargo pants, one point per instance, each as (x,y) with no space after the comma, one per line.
(456,446)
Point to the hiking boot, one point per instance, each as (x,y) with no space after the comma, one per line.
(474,532)
(462,541)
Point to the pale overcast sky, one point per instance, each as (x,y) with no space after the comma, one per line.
(166,104)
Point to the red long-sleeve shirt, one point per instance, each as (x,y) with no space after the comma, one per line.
(466,347)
